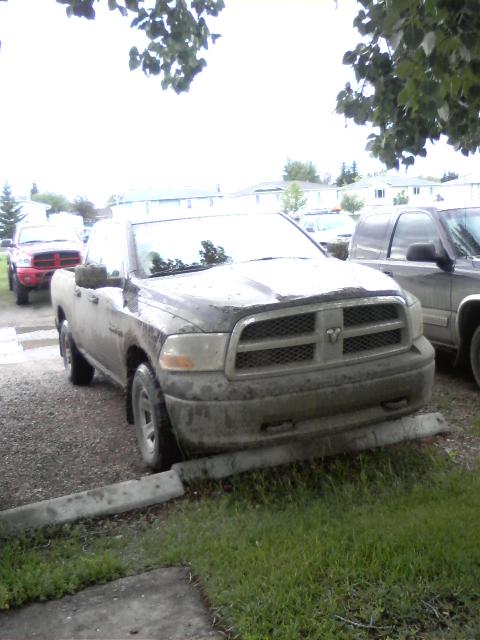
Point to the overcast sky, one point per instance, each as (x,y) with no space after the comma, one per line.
(75,120)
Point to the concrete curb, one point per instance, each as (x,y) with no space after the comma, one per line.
(161,487)
(113,498)
(377,435)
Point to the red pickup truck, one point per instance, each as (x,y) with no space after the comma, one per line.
(36,252)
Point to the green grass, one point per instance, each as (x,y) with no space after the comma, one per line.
(380,545)
(3,277)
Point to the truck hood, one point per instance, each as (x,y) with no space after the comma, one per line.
(49,247)
(215,299)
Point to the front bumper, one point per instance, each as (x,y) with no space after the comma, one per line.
(210,413)
(34,278)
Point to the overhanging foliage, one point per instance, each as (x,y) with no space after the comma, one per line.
(418,74)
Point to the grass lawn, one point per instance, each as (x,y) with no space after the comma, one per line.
(4,292)
(378,545)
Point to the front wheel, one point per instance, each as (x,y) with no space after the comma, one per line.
(21,292)
(154,433)
(79,371)
(475,355)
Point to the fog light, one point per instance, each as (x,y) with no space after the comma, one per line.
(26,279)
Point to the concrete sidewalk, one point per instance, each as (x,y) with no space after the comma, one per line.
(158,605)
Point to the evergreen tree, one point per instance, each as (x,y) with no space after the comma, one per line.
(10,212)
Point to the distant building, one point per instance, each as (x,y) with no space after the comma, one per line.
(154,201)
(34,212)
(462,189)
(381,191)
(267,196)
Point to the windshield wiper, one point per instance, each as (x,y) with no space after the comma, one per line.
(186,269)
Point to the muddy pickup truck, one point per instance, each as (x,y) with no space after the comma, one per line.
(236,331)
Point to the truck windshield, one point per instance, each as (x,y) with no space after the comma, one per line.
(188,244)
(463,226)
(47,233)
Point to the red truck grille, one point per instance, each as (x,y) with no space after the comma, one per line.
(56,260)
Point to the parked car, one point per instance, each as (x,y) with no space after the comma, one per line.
(434,253)
(36,252)
(328,226)
(230,331)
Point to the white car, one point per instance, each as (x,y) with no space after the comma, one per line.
(328,226)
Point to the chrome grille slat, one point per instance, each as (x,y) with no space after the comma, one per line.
(317,336)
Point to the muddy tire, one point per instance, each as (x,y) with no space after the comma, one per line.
(475,355)
(79,371)
(21,292)
(154,432)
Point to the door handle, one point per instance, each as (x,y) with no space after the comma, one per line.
(387,273)
(77,292)
(93,298)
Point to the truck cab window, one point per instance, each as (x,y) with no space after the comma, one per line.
(412,228)
(104,248)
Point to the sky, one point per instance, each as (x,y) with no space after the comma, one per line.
(77,121)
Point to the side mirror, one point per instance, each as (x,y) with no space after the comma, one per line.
(422,252)
(91,276)
(7,243)
(426,252)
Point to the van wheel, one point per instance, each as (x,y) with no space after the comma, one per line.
(475,355)
(79,371)
(21,292)
(154,432)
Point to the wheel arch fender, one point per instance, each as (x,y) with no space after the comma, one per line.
(467,320)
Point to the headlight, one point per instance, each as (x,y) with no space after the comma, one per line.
(194,352)
(23,260)
(416,317)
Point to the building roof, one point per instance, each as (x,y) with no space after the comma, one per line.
(470,178)
(179,193)
(279,186)
(391,181)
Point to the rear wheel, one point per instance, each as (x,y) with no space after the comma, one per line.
(154,433)
(21,292)
(10,281)
(475,354)
(79,371)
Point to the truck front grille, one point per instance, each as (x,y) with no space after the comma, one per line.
(282,356)
(353,316)
(56,260)
(296,325)
(296,339)
(372,341)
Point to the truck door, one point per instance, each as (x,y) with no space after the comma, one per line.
(101,310)
(426,280)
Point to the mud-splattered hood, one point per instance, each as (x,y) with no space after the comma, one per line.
(216,298)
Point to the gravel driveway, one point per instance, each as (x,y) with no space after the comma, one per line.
(57,439)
